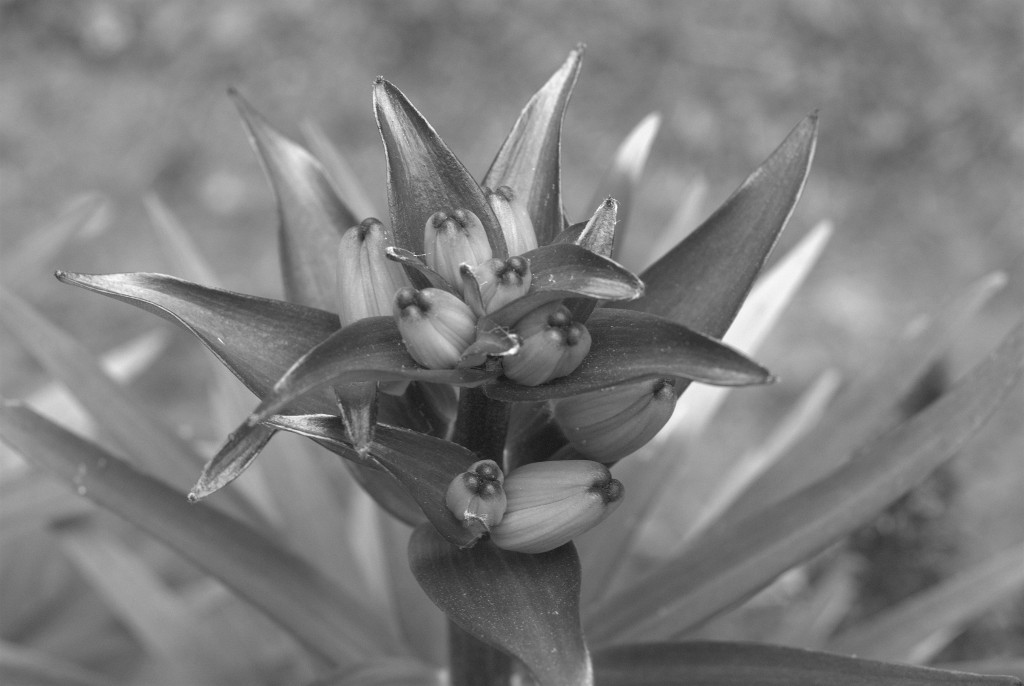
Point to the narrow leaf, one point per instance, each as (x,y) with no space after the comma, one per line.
(185,256)
(898,632)
(312,216)
(529,159)
(526,605)
(30,500)
(21,665)
(287,589)
(622,180)
(370,349)
(629,346)
(87,214)
(342,175)
(702,281)
(424,176)
(424,465)
(733,561)
(419,273)
(390,672)
(710,663)
(683,221)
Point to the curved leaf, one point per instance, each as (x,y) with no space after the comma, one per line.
(526,605)
(702,281)
(629,346)
(331,624)
(564,270)
(713,663)
(731,562)
(256,338)
(370,349)
(529,159)
(312,216)
(419,273)
(424,176)
(343,177)
(424,465)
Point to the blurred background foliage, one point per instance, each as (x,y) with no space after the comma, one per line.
(920,165)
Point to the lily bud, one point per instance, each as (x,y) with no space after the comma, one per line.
(435,326)
(502,281)
(514,218)
(551,503)
(552,346)
(609,424)
(367,280)
(476,496)
(453,239)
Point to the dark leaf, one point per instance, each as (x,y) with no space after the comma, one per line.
(419,273)
(334,626)
(703,281)
(424,176)
(312,216)
(529,159)
(712,663)
(629,346)
(526,605)
(424,465)
(734,560)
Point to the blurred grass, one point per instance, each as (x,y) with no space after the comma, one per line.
(920,160)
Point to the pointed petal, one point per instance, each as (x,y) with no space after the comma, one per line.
(424,176)
(733,561)
(529,159)
(310,607)
(702,281)
(424,465)
(713,663)
(526,605)
(419,273)
(622,180)
(312,216)
(631,346)
(256,338)
(370,349)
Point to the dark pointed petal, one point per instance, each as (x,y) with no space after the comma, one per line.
(231,460)
(714,663)
(424,465)
(419,273)
(370,349)
(525,605)
(424,176)
(357,403)
(563,270)
(256,338)
(312,215)
(703,281)
(529,159)
(629,346)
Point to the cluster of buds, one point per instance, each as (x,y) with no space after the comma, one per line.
(537,507)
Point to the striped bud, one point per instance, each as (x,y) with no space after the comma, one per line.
(435,326)
(502,281)
(453,239)
(514,219)
(367,280)
(552,346)
(476,496)
(551,503)
(609,424)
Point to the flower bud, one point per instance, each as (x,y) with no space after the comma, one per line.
(435,326)
(367,280)
(502,281)
(552,346)
(453,239)
(551,503)
(609,424)
(476,496)
(514,218)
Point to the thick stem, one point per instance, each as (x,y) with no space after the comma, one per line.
(481,427)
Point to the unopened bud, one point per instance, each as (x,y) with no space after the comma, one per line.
(514,218)
(502,281)
(609,424)
(435,326)
(476,496)
(367,280)
(453,239)
(552,346)
(551,503)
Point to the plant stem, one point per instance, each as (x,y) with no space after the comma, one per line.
(481,427)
